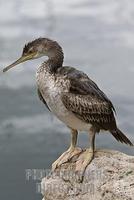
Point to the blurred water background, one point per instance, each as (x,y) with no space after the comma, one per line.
(98,38)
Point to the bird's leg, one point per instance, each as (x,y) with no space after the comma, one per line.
(86,157)
(72,151)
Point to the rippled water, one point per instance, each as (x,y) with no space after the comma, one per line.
(97,37)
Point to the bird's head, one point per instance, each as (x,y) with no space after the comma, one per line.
(36,49)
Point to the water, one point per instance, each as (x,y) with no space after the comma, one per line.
(97,37)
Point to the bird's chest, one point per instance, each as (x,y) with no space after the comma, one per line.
(51,91)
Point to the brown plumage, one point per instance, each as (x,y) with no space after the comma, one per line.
(84,98)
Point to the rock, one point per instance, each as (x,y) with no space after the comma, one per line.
(109,176)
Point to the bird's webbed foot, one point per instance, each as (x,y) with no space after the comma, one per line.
(82,163)
(66,157)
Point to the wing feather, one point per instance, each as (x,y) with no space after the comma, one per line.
(41,98)
(88,102)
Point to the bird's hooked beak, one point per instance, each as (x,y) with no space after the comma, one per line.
(20,60)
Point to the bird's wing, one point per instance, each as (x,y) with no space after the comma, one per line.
(41,98)
(88,102)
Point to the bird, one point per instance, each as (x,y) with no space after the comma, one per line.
(73,97)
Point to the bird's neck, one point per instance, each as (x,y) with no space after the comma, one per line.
(55,60)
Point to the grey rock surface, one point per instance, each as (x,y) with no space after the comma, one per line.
(110,176)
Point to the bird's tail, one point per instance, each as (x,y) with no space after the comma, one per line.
(119,136)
